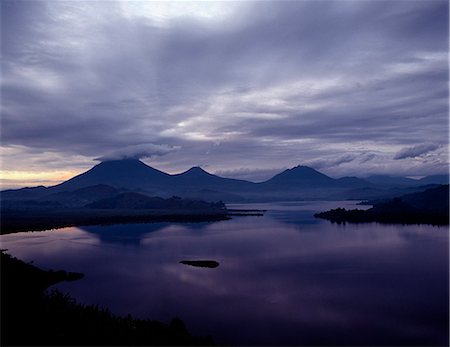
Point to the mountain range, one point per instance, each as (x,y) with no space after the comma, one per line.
(110,178)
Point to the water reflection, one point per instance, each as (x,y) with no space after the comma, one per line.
(284,279)
(132,234)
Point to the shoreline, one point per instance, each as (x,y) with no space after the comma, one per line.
(31,315)
(15,221)
(342,216)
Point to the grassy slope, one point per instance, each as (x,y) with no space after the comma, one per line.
(30,316)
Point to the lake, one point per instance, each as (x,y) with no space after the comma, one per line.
(285,278)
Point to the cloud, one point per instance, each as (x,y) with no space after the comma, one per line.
(367,157)
(138,152)
(337,79)
(328,162)
(415,151)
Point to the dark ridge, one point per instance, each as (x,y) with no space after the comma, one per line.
(82,196)
(33,317)
(428,207)
(434,179)
(196,179)
(24,193)
(139,201)
(353,182)
(435,199)
(398,181)
(390,181)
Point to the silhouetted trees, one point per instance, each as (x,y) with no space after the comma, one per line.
(428,207)
(30,316)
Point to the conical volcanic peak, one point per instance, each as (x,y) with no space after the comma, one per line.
(198,179)
(125,173)
(134,165)
(302,172)
(196,171)
(300,176)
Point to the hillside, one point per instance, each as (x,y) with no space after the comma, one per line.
(299,176)
(141,202)
(128,174)
(428,207)
(31,316)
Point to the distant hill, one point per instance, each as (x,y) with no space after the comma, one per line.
(353,182)
(428,207)
(434,179)
(379,192)
(139,201)
(434,200)
(213,195)
(82,196)
(24,193)
(307,178)
(299,176)
(396,181)
(196,179)
(391,181)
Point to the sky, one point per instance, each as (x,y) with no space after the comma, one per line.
(243,89)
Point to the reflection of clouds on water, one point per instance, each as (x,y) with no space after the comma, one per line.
(45,247)
(196,279)
(279,281)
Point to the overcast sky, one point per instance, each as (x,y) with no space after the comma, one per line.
(243,89)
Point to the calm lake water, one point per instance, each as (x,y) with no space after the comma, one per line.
(284,279)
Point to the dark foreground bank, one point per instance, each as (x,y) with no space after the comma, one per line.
(31,316)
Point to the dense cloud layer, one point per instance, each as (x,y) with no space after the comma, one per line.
(345,86)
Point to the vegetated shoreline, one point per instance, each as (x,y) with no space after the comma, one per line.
(341,216)
(21,221)
(428,207)
(31,316)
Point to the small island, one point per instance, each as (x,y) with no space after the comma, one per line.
(201,263)
(428,207)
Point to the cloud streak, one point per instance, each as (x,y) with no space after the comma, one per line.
(138,152)
(415,151)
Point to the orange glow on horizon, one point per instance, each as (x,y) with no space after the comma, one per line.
(17,179)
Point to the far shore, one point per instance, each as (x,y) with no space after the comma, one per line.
(20,221)
(14,221)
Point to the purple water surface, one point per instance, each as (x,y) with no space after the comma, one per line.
(284,279)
